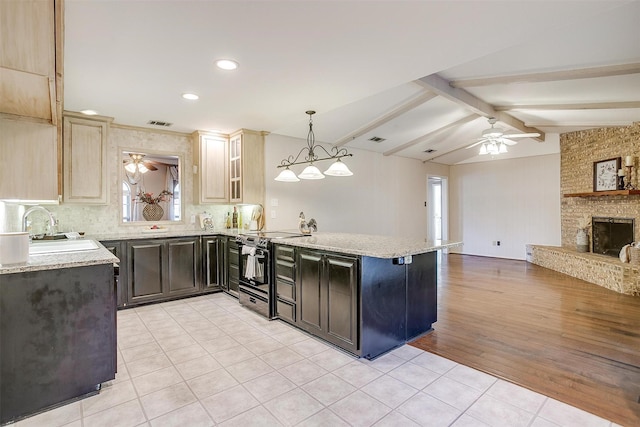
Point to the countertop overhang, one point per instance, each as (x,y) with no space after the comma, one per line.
(368,244)
(53,261)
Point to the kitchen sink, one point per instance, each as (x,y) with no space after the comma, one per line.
(54,246)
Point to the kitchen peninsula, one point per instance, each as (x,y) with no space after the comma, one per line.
(365,294)
(57,329)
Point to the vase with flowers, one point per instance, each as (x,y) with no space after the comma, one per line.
(152,210)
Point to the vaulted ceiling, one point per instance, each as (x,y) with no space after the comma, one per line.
(424,76)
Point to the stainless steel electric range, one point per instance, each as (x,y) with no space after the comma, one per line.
(256,270)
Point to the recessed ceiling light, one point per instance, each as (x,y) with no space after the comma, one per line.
(227,64)
(89,112)
(190,96)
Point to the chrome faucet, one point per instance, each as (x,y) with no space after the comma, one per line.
(52,218)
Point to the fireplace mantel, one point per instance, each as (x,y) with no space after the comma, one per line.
(605,193)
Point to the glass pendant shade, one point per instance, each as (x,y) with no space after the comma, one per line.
(142,168)
(503,148)
(287,175)
(483,150)
(131,167)
(338,169)
(311,172)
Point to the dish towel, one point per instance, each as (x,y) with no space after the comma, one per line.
(250,270)
(259,271)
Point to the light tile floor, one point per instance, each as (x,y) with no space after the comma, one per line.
(206,361)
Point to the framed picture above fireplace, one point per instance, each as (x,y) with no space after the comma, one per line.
(605,174)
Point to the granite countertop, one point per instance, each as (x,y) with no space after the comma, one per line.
(52,261)
(367,245)
(162,233)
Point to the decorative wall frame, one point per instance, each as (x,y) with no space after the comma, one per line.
(605,174)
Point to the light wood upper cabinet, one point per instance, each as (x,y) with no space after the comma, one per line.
(28,58)
(28,161)
(229,170)
(85,159)
(247,167)
(211,168)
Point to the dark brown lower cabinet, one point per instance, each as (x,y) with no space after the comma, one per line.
(57,335)
(365,305)
(285,286)
(213,263)
(119,249)
(160,269)
(232,276)
(327,299)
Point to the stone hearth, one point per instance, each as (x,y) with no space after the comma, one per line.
(601,270)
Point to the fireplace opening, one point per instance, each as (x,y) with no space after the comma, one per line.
(611,234)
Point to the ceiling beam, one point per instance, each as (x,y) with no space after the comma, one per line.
(591,124)
(441,86)
(430,134)
(453,150)
(398,110)
(592,106)
(582,73)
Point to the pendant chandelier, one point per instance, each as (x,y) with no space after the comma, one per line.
(311,171)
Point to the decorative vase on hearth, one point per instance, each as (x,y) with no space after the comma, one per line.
(582,240)
(152,212)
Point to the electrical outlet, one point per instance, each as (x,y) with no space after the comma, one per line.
(273,213)
(498,243)
(193,219)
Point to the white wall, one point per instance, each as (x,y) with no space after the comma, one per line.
(385,195)
(515,201)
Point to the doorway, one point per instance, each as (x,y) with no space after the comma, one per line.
(437,208)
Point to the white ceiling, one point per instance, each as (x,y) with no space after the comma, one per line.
(355,63)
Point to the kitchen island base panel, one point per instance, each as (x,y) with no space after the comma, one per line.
(57,335)
(399,302)
(383,322)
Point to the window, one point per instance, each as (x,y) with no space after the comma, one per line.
(176,201)
(126,202)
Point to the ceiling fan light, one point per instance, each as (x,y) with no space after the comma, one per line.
(338,168)
(287,175)
(142,168)
(503,148)
(130,167)
(483,150)
(311,172)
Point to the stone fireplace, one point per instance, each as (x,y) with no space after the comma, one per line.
(578,152)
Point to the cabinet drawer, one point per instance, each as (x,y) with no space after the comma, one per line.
(254,301)
(285,269)
(285,289)
(285,253)
(286,311)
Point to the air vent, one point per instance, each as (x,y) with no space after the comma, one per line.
(159,123)
(430,150)
(377,139)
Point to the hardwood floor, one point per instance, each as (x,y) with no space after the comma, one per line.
(568,339)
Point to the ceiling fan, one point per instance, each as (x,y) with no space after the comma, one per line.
(134,167)
(495,141)
(135,163)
